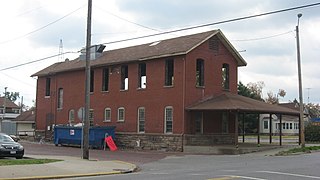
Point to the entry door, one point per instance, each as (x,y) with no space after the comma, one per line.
(199,122)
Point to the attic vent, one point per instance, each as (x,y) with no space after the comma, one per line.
(214,44)
(155,43)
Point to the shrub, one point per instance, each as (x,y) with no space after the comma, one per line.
(312,133)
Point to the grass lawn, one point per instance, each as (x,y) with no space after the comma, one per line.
(8,162)
(299,150)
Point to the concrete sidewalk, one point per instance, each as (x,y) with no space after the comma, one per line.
(69,167)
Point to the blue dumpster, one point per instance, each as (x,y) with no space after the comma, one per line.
(68,135)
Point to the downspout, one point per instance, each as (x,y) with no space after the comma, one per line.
(183,101)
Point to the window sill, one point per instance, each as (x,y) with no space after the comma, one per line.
(200,87)
(120,121)
(124,90)
(168,86)
(109,121)
(141,89)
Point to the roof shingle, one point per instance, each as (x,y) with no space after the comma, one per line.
(165,48)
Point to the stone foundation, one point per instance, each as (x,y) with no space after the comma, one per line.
(170,142)
(164,142)
(208,139)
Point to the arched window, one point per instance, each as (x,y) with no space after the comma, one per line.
(71,116)
(225,76)
(141,119)
(121,114)
(200,72)
(107,115)
(168,119)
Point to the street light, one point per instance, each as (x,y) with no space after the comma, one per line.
(301,119)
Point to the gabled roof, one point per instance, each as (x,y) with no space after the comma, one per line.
(161,49)
(27,116)
(9,104)
(234,102)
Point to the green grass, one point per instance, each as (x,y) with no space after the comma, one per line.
(8,162)
(299,150)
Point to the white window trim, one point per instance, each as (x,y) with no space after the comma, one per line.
(165,120)
(71,112)
(124,114)
(107,120)
(138,130)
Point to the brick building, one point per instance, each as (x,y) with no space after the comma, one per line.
(148,92)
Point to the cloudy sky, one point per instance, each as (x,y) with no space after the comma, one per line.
(32,30)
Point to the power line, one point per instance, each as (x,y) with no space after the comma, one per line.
(146,27)
(216,23)
(38,60)
(261,38)
(182,29)
(36,30)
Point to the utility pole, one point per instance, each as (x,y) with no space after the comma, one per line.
(302,140)
(4,102)
(86,124)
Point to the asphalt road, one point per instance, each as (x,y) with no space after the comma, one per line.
(161,165)
(213,167)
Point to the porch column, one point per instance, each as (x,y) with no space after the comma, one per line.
(280,137)
(236,126)
(258,129)
(243,130)
(270,132)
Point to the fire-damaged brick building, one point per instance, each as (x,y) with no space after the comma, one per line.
(152,93)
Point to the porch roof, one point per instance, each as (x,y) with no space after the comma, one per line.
(235,102)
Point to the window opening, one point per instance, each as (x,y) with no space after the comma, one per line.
(169,71)
(168,120)
(60,98)
(200,72)
(71,116)
(225,76)
(107,114)
(105,79)
(121,114)
(141,119)
(48,83)
(265,125)
(142,76)
(124,77)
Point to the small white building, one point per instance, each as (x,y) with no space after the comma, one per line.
(290,124)
(8,111)
(25,123)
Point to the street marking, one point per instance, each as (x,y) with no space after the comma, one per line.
(222,178)
(290,174)
(227,177)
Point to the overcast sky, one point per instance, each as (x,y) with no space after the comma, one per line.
(31,30)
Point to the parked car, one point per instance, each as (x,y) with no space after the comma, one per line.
(10,148)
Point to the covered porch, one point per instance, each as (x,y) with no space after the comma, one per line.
(219,122)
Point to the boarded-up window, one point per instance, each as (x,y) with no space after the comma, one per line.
(214,44)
